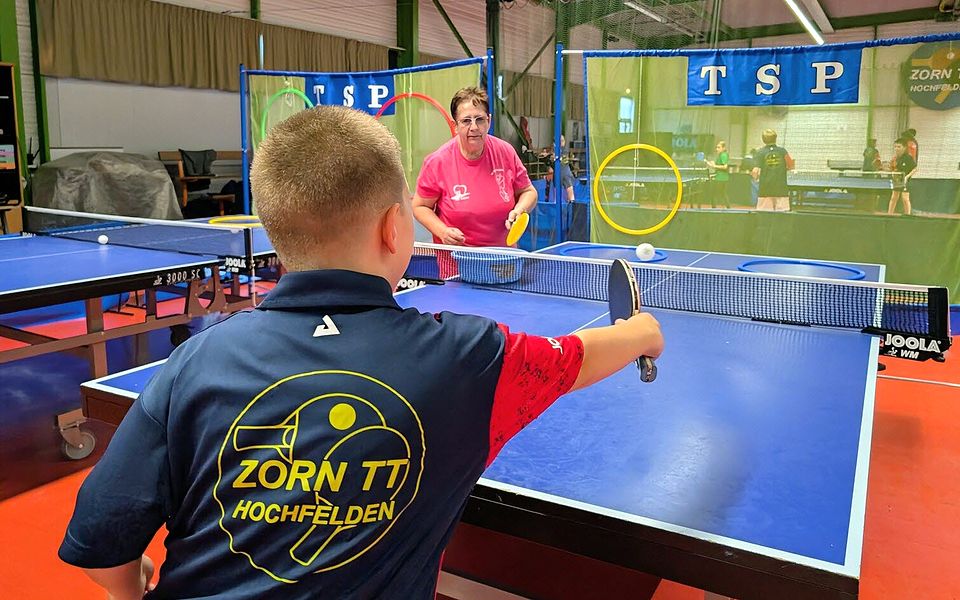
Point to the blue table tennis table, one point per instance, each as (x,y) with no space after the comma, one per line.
(722,261)
(69,264)
(849,189)
(625,183)
(742,470)
(644,175)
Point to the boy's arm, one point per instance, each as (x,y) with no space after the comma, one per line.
(538,370)
(130,580)
(127,496)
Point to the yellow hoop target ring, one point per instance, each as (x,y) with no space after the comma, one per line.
(596,189)
(237,220)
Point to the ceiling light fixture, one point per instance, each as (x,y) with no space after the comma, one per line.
(643,9)
(807,24)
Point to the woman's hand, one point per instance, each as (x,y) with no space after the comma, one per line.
(453,237)
(512,217)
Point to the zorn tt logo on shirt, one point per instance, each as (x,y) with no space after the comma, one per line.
(315,471)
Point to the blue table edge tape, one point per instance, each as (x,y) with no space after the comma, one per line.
(856,273)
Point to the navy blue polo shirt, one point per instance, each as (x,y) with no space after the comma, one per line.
(320,446)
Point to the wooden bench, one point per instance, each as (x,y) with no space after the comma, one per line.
(230,168)
(5,226)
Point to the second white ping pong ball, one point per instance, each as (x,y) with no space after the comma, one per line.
(645,251)
(103,239)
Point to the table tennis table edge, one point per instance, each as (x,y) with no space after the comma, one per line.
(99,385)
(574,243)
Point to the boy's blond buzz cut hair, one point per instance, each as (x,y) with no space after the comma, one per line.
(769,136)
(320,175)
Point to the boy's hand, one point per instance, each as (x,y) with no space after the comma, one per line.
(146,576)
(146,573)
(646,328)
(606,350)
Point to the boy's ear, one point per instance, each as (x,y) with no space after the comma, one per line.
(389,224)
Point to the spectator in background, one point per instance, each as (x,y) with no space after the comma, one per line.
(871,156)
(566,174)
(913,148)
(747,164)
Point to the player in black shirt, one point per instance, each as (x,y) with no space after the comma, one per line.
(904,164)
(772,164)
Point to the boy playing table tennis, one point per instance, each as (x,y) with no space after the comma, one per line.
(904,164)
(324,444)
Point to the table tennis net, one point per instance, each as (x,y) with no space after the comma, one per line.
(154,234)
(903,309)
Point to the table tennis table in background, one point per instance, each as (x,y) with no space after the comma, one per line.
(642,183)
(60,260)
(842,189)
(742,470)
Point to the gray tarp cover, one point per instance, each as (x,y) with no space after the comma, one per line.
(115,183)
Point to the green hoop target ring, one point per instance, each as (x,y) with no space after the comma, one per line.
(596,189)
(276,96)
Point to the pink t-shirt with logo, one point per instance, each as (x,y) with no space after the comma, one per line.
(475,196)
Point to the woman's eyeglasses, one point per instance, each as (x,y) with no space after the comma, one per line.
(481,122)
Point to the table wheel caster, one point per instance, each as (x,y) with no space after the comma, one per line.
(78,445)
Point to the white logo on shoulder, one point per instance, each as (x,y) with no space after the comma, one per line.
(326,328)
(460,193)
(555,344)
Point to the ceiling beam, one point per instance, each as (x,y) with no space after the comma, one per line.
(816,12)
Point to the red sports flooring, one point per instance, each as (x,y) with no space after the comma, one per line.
(911,546)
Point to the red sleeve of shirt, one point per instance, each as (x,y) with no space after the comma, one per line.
(790,163)
(536,371)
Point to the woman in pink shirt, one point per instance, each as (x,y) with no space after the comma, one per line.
(472,188)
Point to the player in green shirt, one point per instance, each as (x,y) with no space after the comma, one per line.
(721,177)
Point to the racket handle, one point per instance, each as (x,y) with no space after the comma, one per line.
(648,370)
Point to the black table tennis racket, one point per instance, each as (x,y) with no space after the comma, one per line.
(623,294)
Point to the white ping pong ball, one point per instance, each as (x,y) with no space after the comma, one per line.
(645,252)
(103,239)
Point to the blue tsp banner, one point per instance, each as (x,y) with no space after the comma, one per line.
(774,76)
(369,92)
